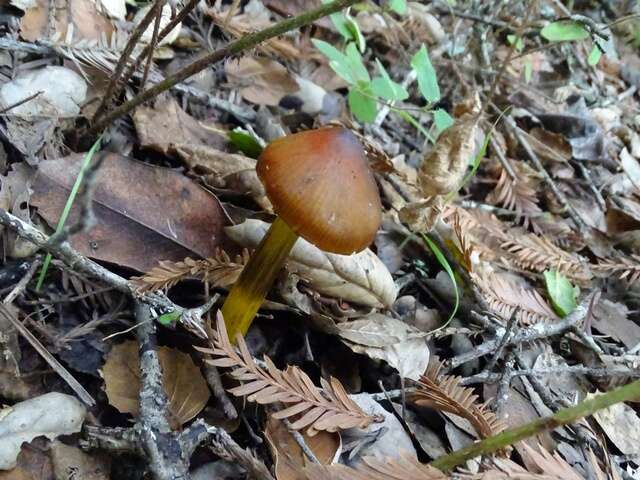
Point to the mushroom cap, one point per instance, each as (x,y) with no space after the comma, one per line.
(320,184)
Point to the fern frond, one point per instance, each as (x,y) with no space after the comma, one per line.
(444,392)
(518,195)
(307,406)
(626,268)
(219,271)
(504,298)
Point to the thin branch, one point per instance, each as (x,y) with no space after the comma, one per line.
(232,49)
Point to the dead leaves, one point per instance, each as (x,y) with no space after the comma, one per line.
(186,388)
(444,393)
(308,407)
(144,214)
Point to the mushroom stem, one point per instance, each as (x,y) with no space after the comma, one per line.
(248,293)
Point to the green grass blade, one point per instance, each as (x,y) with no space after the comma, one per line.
(67,208)
(447,268)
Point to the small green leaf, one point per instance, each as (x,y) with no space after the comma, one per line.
(442,260)
(427,79)
(562,294)
(338,61)
(398,6)
(245,142)
(564,31)
(517,40)
(442,120)
(594,56)
(168,318)
(356,65)
(386,88)
(363,107)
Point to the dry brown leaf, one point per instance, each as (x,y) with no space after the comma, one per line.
(627,268)
(80,18)
(260,80)
(444,393)
(287,454)
(308,407)
(218,271)
(360,278)
(144,213)
(183,382)
(504,298)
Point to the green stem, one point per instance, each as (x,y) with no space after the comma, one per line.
(562,417)
(232,49)
(248,293)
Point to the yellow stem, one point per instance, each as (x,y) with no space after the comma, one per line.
(248,293)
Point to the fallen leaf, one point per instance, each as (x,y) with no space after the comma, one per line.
(621,424)
(114,8)
(165,18)
(611,318)
(360,278)
(33,463)
(287,454)
(72,463)
(62,92)
(260,80)
(144,214)
(385,338)
(184,384)
(81,18)
(32,418)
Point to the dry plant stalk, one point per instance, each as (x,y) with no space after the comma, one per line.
(219,271)
(504,298)
(307,406)
(444,392)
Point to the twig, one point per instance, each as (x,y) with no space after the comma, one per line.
(502,394)
(22,284)
(545,175)
(297,436)
(63,251)
(215,383)
(560,418)
(503,340)
(244,43)
(534,332)
(604,372)
(21,102)
(158,7)
(47,357)
(122,63)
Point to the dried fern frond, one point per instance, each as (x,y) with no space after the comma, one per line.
(405,467)
(537,253)
(329,408)
(219,271)
(444,392)
(626,268)
(504,297)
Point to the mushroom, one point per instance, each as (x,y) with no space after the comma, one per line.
(321,188)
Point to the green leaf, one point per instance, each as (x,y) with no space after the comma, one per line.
(528,70)
(363,107)
(67,207)
(347,27)
(594,56)
(356,65)
(338,61)
(564,31)
(442,120)
(245,142)
(386,88)
(168,318)
(563,295)
(517,40)
(398,6)
(442,260)
(427,79)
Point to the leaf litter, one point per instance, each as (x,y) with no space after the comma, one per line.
(507,135)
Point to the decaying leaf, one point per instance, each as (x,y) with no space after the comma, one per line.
(261,80)
(308,407)
(504,297)
(185,386)
(69,461)
(386,338)
(218,271)
(444,392)
(33,418)
(621,424)
(287,454)
(144,214)
(360,278)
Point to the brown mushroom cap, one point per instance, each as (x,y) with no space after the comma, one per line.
(320,184)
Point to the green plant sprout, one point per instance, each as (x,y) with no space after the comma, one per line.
(442,260)
(575,31)
(67,207)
